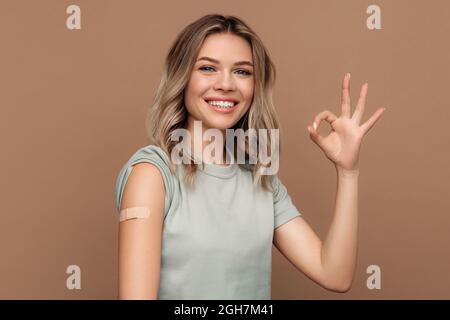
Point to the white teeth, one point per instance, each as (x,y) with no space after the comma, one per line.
(222,104)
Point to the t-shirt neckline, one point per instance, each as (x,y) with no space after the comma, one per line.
(216,170)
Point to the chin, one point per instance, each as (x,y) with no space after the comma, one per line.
(221,124)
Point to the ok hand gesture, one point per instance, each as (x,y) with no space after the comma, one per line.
(342,144)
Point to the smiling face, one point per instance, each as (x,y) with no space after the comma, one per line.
(223,71)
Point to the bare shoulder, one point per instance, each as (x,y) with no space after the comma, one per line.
(145,187)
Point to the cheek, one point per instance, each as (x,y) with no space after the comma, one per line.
(247,90)
(199,84)
(194,90)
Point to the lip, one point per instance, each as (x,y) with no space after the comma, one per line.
(222,99)
(223,110)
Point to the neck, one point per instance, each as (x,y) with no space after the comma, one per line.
(198,144)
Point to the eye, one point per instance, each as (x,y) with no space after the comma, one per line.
(246,73)
(205,68)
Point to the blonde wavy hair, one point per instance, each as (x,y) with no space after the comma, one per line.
(168,112)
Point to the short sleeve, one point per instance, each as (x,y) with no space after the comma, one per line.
(150,154)
(284,209)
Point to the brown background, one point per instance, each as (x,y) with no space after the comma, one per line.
(73,104)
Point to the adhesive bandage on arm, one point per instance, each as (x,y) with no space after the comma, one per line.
(133,213)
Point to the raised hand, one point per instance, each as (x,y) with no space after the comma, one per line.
(343,143)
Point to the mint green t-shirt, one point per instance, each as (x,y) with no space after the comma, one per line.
(217,236)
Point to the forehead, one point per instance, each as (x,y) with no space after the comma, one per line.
(226,47)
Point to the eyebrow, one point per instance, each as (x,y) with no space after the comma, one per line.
(239,63)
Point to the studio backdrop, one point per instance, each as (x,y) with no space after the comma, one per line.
(77,79)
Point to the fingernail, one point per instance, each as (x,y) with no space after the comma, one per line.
(348,75)
(315,126)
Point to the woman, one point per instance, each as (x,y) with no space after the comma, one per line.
(190,231)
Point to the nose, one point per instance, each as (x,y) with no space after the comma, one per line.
(225,82)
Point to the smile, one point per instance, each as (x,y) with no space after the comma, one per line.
(222,106)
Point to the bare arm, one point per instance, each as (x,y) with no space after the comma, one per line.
(331,263)
(340,247)
(140,239)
